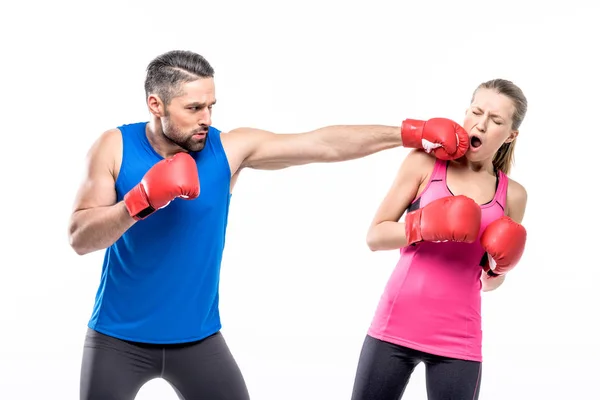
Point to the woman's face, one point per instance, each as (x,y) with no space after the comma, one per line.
(489,123)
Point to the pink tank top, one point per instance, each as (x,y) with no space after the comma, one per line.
(432,301)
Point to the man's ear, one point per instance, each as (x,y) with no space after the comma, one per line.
(156,106)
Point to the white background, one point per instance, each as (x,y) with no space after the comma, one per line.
(299,286)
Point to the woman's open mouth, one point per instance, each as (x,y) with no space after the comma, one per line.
(475,142)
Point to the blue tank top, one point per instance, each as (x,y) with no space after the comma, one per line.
(160,280)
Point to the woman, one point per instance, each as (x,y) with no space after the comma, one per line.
(462,233)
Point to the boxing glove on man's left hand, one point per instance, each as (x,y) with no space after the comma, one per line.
(166,180)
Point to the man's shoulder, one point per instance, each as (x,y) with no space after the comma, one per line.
(238,143)
(109,137)
(244,135)
(112,138)
(131,126)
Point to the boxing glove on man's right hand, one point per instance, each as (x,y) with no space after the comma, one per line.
(443,137)
(166,180)
(453,218)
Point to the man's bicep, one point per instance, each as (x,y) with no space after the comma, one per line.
(97,188)
(260,149)
(241,145)
(277,151)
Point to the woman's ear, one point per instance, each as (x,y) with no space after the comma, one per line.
(513,135)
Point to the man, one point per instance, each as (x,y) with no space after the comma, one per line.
(156,197)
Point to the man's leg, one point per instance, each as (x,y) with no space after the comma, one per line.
(204,370)
(113,369)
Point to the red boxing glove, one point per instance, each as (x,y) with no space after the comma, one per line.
(504,243)
(445,138)
(453,218)
(166,180)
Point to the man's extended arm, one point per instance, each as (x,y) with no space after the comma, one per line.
(259,149)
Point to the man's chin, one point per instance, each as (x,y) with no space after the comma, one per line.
(195,147)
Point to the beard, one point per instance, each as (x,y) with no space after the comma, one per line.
(185,140)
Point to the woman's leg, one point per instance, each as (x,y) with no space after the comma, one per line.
(452,379)
(383,371)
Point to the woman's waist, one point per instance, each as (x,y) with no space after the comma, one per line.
(429,316)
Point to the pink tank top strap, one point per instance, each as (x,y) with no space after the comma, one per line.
(502,189)
(439,171)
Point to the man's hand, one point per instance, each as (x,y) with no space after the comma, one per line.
(166,180)
(446,139)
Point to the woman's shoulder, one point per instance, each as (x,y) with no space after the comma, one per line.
(516,199)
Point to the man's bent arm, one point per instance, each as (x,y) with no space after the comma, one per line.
(98,228)
(98,220)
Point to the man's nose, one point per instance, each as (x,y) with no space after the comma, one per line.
(205,118)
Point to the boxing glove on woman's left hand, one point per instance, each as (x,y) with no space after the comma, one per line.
(504,242)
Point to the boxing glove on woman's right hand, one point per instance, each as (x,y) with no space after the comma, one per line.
(166,180)
(453,218)
(443,137)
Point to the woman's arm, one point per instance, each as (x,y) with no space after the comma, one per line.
(385,232)
(516,203)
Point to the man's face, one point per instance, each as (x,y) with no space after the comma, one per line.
(188,116)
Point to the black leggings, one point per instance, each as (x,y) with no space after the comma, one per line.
(114,369)
(384,370)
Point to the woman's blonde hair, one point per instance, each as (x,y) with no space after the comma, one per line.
(504,158)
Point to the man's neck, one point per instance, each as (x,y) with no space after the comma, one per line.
(159,142)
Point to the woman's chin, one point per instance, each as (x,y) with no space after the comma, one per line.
(474,154)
